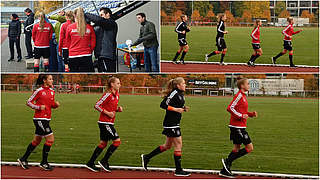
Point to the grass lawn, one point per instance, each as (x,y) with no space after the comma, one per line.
(285,135)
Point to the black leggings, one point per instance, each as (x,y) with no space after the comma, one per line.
(81,64)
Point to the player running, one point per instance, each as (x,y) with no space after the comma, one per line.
(107,106)
(287,44)
(173,103)
(182,30)
(220,43)
(42,100)
(255,35)
(238,109)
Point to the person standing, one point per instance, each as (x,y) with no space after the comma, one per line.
(148,36)
(255,35)
(106,46)
(182,30)
(14,33)
(28,32)
(42,101)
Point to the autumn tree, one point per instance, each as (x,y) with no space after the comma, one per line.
(246,16)
(284,14)
(230,17)
(258,9)
(195,15)
(307,14)
(47,6)
(164,17)
(211,16)
(177,15)
(279,7)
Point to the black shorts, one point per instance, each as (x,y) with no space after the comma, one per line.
(41,52)
(220,43)
(239,136)
(287,45)
(42,128)
(182,42)
(172,132)
(65,56)
(255,46)
(81,64)
(107,132)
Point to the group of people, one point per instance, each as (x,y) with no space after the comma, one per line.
(182,29)
(76,41)
(43,100)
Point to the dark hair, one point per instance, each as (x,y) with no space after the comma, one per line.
(15,16)
(182,16)
(28,10)
(106,10)
(142,15)
(41,78)
(111,80)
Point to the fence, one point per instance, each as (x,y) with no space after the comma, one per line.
(157,90)
(238,24)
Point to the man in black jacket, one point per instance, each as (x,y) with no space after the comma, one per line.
(106,42)
(28,33)
(14,33)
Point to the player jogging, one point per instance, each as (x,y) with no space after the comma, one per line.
(238,109)
(42,100)
(173,103)
(182,30)
(220,43)
(107,106)
(287,44)
(255,35)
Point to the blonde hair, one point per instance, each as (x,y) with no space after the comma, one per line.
(172,84)
(42,22)
(289,19)
(220,16)
(81,22)
(111,80)
(241,81)
(70,16)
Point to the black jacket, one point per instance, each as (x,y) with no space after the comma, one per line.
(148,35)
(14,29)
(182,26)
(106,36)
(174,99)
(29,21)
(220,29)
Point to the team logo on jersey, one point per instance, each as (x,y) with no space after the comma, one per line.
(117,97)
(44,93)
(52,93)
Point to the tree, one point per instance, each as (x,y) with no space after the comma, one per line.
(195,15)
(246,16)
(279,7)
(164,17)
(202,6)
(267,14)
(211,16)
(284,14)
(230,17)
(258,9)
(47,6)
(177,15)
(237,8)
(306,14)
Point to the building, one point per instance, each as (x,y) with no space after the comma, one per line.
(17,7)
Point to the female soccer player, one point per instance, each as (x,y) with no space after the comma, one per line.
(287,44)
(173,103)
(255,35)
(220,43)
(238,109)
(182,30)
(107,106)
(42,100)
(63,47)
(41,36)
(81,43)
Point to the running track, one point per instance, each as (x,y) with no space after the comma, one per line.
(167,67)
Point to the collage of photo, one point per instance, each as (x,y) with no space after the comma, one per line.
(106,89)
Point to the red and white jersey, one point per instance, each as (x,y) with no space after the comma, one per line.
(42,96)
(63,44)
(42,38)
(80,46)
(109,102)
(237,108)
(255,35)
(288,31)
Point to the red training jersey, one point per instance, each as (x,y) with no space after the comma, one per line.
(109,102)
(42,38)
(63,44)
(288,31)
(42,96)
(237,108)
(80,46)
(255,35)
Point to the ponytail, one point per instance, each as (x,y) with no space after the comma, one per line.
(172,84)
(111,80)
(80,20)
(42,20)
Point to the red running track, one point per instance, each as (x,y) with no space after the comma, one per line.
(15,172)
(232,68)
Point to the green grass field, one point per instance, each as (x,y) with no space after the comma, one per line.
(285,135)
(202,41)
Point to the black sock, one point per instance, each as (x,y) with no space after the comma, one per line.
(36,69)
(182,56)
(291,61)
(277,56)
(153,153)
(177,55)
(252,57)
(255,57)
(177,162)
(211,54)
(109,152)
(45,153)
(46,68)
(222,56)
(235,155)
(95,155)
(29,150)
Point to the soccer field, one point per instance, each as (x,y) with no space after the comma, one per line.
(285,135)
(202,40)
